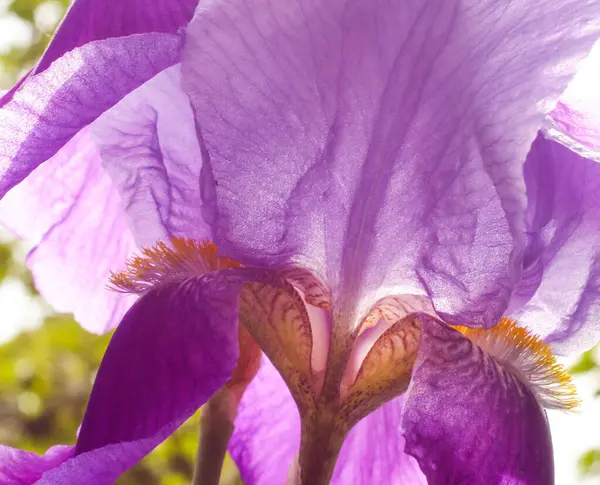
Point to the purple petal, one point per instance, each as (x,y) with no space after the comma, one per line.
(90,20)
(149,147)
(53,106)
(469,419)
(559,295)
(79,232)
(174,349)
(267,430)
(373,452)
(575,121)
(18,467)
(267,437)
(380,144)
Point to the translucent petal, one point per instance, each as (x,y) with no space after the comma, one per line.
(380,144)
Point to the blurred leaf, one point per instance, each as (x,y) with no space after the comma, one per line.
(589,463)
(6,261)
(585,364)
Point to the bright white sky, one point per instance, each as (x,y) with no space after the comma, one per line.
(572,434)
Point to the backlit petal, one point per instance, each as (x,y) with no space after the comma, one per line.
(90,20)
(380,143)
(575,122)
(79,233)
(53,106)
(559,296)
(469,419)
(149,147)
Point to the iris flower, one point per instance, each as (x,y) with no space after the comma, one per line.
(357,230)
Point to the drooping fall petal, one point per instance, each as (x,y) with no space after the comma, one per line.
(469,419)
(559,294)
(174,348)
(380,144)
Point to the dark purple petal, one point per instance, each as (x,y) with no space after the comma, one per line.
(174,348)
(18,467)
(559,295)
(54,105)
(90,20)
(266,436)
(470,420)
(79,233)
(380,144)
(149,147)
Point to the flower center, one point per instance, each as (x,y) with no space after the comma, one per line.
(336,382)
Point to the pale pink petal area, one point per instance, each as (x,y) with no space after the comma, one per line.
(558,298)
(56,104)
(79,232)
(380,143)
(471,419)
(149,147)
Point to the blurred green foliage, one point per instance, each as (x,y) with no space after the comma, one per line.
(589,462)
(45,380)
(46,374)
(18,59)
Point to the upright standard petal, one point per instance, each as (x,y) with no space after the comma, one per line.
(380,144)
(470,419)
(55,105)
(79,233)
(173,350)
(149,147)
(559,295)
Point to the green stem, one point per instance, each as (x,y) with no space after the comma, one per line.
(320,445)
(216,428)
